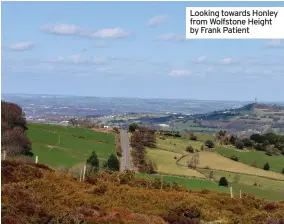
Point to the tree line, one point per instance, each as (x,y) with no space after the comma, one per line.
(93,164)
(272,144)
(141,138)
(14,128)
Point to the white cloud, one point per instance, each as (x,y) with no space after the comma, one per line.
(21,46)
(199,59)
(156,20)
(78,59)
(274,43)
(67,29)
(110,33)
(179,72)
(227,60)
(61,29)
(170,36)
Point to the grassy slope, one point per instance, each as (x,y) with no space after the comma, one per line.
(267,188)
(60,146)
(170,147)
(254,157)
(215,161)
(189,183)
(197,184)
(177,144)
(246,179)
(166,163)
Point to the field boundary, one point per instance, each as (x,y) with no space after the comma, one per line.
(262,187)
(78,137)
(255,175)
(180,176)
(269,178)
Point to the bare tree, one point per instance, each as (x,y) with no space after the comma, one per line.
(194,161)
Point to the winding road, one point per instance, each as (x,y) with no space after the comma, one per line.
(125,161)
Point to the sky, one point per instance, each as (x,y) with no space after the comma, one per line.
(132,49)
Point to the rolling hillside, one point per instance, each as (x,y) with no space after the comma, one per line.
(245,120)
(66,147)
(172,162)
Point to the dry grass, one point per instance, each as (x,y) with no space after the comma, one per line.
(177,144)
(167,164)
(218,162)
(52,197)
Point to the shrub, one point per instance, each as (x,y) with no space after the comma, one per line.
(223,182)
(177,135)
(116,130)
(190,149)
(93,162)
(202,148)
(232,139)
(259,147)
(266,166)
(192,137)
(248,143)
(112,163)
(257,138)
(282,171)
(235,158)
(239,144)
(132,127)
(209,144)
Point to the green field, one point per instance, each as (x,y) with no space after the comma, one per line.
(177,144)
(197,184)
(246,179)
(189,183)
(60,146)
(251,157)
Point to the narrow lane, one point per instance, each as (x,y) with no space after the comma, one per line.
(125,162)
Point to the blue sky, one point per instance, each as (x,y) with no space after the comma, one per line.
(132,49)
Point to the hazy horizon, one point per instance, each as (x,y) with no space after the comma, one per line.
(129,97)
(76,48)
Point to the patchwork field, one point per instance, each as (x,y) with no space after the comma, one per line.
(215,161)
(60,146)
(166,163)
(177,144)
(257,158)
(241,176)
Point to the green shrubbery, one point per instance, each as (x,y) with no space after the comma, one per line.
(223,182)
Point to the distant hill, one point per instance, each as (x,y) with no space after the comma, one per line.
(245,120)
(249,109)
(249,118)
